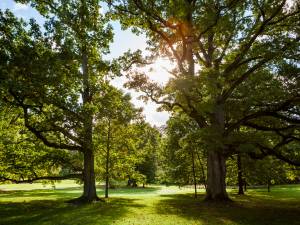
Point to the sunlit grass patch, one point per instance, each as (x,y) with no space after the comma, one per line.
(154,205)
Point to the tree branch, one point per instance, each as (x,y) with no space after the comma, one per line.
(48,143)
(247,45)
(272,111)
(69,176)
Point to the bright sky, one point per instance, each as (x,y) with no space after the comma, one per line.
(123,41)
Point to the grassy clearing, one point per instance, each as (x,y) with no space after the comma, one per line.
(156,205)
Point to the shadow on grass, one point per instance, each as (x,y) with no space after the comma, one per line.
(45,207)
(64,193)
(136,190)
(243,210)
(58,212)
(53,194)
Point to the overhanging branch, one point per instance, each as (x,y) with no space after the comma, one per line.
(30,180)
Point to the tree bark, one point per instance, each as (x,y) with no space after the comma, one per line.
(89,187)
(89,182)
(216,160)
(107,161)
(269,185)
(240,175)
(202,171)
(216,173)
(194,174)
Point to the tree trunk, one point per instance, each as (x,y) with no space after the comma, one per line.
(202,171)
(194,174)
(216,161)
(269,185)
(89,186)
(107,161)
(216,173)
(240,175)
(89,182)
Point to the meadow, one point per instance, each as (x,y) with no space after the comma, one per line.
(36,204)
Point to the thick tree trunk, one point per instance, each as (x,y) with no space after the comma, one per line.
(240,175)
(89,186)
(216,161)
(216,173)
(89,182)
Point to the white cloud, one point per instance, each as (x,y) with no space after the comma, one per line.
(20,7)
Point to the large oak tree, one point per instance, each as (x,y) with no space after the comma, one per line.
(236,69)
(57,76)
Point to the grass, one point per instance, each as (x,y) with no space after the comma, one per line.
(36,204)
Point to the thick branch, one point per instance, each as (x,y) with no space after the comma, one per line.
(39,135)
(274,152)
(272,111)
(247,45)
(265,128)
(169,43)
(69,176)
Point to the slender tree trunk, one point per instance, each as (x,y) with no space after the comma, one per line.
(194,174)
(107,161)
(269,185)
(202,171)
(240,174)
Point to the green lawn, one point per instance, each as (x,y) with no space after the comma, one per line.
(35,204)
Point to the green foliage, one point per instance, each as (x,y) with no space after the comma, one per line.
(260,172)
(236,66)
(24,157)
(59,81)
(236,75)
(133,151)
(182,145)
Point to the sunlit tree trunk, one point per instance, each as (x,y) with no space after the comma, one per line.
(89,182)
(216,162)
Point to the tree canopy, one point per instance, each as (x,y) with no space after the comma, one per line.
(236,70)
(234,91)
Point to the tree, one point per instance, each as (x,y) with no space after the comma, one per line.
(57,77)
(110,122)
(235,170)
(241,180)
(132,151)
(236,66)
(269,171)
(23,158)
(184,157)
(148,144)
